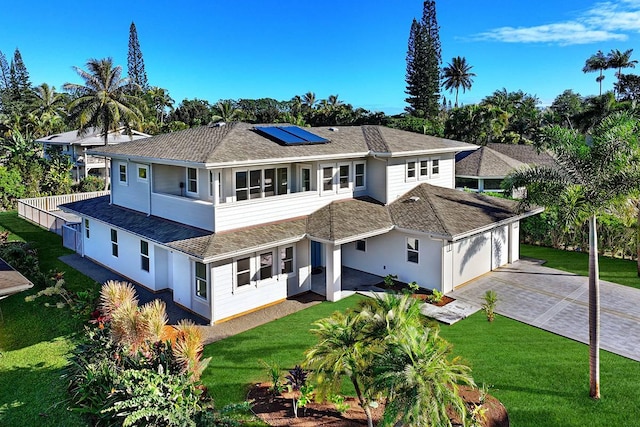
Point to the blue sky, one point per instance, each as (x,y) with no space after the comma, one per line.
(251,49)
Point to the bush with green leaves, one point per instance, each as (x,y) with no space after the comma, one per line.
(90,184)
(24,258)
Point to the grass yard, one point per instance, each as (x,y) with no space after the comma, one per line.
(614,270)
(35,340)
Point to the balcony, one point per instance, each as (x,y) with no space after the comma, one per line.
(185,210)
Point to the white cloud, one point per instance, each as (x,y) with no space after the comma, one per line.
(604,21)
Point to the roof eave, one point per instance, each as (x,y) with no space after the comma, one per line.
(249,250)
(535,211)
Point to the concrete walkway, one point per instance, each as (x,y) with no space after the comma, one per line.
(557,301)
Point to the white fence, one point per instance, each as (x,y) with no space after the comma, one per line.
(44,211)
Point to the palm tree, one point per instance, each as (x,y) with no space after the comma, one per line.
(333,101)
(457,74)
(620,60)
(160,100)
(103,102)
(420,381)
(597,171)
(48,101)
(309,100)
(598,62)
(343,350)
(225,111)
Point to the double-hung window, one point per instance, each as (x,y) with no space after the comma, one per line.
(435,167)
(424,169)
(243,271)
(86,227)
(286,260)
(343,176)
(413,250)
(192,180)
(122,173)
(144,255)
(114,242)
(327,179)
(305,179)
(411,170)
(242,185)
(265,270)
(359,177)
(200,277)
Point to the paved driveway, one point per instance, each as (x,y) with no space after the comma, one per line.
(557,301)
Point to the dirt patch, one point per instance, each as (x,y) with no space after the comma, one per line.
(277,411)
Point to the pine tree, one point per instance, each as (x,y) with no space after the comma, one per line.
(19,90)
(423,64)
(4,82)
(135,62)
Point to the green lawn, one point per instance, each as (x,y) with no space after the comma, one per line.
(614,270)
(35,341)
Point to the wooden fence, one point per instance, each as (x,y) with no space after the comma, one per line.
(44,211)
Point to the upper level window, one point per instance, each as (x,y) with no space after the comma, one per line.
(327,178)
(343,176)
(192,180)
(305,179)
(200,277)
(435,166)
(411,170)
(359,175)
(122,173)
(257,183)
(413,250)
(424,169)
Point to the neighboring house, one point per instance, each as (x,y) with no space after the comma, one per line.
(75,146)
(485,169)
(235,217)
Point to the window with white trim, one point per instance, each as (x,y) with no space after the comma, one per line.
(343,176)
(305,179)
(424,169)
(359,176)
(114,243)
(411,170)
(200,278)
(257,183)
(243,271)
(413,250)
(144,255)
(122,173)
(143,173)
(242,185)
(265,268)
(286,260)
(361,245)
(86,227)
(435,167)
(327,179)
(192,180)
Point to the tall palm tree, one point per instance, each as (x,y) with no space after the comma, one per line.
(597,171)
(420,380)
(457,74)
(333,101)
(103,102)
(619,60)
(48,101)
(160,100)
(309,99)
(597,63)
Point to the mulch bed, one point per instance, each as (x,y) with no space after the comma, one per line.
(278,411)
(421,293)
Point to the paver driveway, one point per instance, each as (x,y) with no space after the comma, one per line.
(557,301)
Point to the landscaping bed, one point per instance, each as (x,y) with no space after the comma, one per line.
(426,295)
(278,411)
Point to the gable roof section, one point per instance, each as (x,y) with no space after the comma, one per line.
(238,143)
(452,214)
(348,220)
(485,162)
(527,154)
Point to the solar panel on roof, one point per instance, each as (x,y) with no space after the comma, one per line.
(280,135)
(304,134)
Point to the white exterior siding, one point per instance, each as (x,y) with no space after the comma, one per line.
(398,183)
(499,247)
(376,179)
(387,254)
(197,213)
(514,249)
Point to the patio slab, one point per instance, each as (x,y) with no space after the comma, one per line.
(450,313)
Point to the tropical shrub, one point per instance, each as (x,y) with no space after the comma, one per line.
(489,306)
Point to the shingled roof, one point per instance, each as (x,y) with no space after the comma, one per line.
(239,142)
(527,154)
(442,212)
(486,162)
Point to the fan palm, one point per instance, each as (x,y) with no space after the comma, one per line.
(103,102)
(457,74)
(420,381)
(597,63)
(596,172)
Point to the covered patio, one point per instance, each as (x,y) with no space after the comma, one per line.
(352,281)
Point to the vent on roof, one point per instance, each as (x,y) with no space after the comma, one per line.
(217,124)
(414,198)
(334,129)
(291,135)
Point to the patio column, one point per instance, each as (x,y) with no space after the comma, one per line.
(333,271)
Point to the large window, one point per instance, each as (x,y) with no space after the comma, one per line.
(144,255)
(192,180)
(265,270)
(114,242)
(122,173)
(412,250)
(243,271)
(286,260)
(201,280)
(259,183)
(359,175)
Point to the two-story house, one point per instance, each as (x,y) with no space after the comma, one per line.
(75,146)
(234,217)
